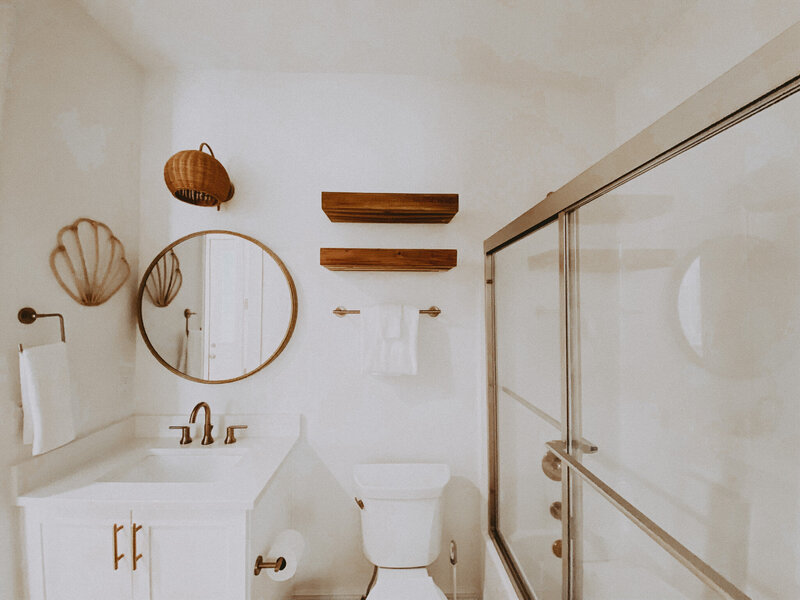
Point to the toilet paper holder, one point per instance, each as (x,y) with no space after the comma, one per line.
(279,564)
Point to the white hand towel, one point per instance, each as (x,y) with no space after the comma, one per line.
(391,317)
(190,353)
(389,339)
(47,403)
(194,354)
(183,352)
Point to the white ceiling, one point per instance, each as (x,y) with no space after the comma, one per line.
(476,39)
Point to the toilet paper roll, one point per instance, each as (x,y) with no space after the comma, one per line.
(289,544)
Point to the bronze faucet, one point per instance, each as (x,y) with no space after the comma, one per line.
(207,439)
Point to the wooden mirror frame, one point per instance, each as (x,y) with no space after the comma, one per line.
(272,357)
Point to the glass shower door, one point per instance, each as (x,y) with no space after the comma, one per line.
(529,396)
(662,310)
(689,280)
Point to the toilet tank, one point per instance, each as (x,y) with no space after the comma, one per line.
(401,518)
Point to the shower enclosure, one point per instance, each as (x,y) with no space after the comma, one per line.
(643,344)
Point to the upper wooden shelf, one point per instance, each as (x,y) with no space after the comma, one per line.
(357,207)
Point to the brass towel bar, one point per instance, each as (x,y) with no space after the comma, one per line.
(341,311)
(28,315)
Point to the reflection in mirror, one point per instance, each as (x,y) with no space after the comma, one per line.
(233,314)
(165,280)
(736,304)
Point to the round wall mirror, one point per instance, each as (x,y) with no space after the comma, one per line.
(216,306)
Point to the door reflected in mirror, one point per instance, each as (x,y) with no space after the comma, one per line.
(234,313)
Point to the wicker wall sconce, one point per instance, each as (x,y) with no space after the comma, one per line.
(198,178)
(89,262)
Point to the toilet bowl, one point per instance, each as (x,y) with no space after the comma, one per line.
(401,526)
(405,584)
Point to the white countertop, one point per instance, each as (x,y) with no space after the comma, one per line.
(240,487)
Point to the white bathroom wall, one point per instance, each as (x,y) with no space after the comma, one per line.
(286,138)
(7,18)
(69,148)
(707,39)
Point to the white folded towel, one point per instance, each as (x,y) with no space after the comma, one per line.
(389,339)
(49,410)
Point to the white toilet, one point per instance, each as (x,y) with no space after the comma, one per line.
(401,526)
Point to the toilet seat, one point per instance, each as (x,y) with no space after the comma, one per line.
(405,584)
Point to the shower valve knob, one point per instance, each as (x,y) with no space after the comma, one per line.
(551,466)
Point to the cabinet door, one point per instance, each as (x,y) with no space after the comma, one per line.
(78,558)
(197,555)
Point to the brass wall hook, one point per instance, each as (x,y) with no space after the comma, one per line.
(186,314)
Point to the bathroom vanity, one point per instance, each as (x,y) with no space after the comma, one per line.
(161,520)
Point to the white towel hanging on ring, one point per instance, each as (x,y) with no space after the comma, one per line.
(49,410)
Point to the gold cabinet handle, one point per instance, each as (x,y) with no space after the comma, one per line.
(136,557)
(117,557)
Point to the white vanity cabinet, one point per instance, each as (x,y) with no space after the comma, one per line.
(198,555)
(173,554)
(70,554)
(158,521)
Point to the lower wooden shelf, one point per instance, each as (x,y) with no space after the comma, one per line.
(387,259)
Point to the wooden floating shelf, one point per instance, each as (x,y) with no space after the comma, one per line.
(387,259)
(357,207)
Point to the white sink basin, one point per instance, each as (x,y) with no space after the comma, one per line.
(177,466)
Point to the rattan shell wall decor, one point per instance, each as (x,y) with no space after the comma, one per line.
(89,262)
(165,280)
(198,178)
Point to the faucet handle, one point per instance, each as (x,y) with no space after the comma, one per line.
(185,437)
(230,438)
